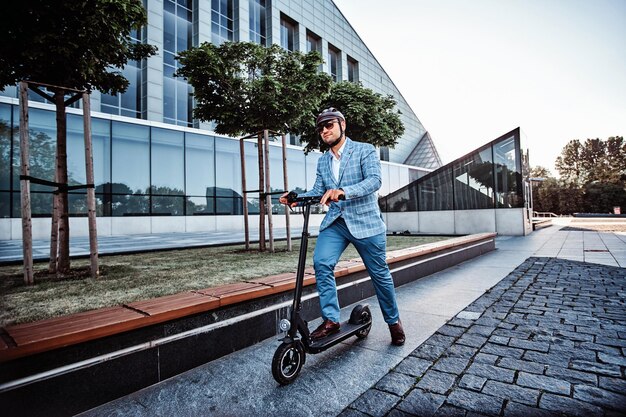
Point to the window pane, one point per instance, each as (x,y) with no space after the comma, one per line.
(5,148)
(473,181)
(5,204)
(435,193)
(200,164)
(130,205)
(167,205)
(100,138)
(167,162)
(508,175)
(229,167)
(131,163)
(197,206)
(311,169)
(296,176)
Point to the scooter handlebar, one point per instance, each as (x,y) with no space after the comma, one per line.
(292,197)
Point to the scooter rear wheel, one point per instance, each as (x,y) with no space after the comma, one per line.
(287,362)
(361,314)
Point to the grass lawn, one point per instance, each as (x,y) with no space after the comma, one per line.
(128,278)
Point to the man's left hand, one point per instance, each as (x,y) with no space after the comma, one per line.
(332,195)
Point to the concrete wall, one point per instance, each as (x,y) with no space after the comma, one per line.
(11,229)
(511,222)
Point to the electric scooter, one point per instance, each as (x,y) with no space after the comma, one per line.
(291,354)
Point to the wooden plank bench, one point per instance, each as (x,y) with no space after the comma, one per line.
(45,335)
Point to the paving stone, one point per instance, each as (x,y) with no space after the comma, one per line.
(611,350)
(375,403)
(601,397)
(485,358)
(461,322)
(473,401)
(520,365)
(413,366)
(600,368)
(491,319)
(421,403)
(468,315)
(437,382)
(349,412)
(609,341)
(557,359)
(613,359)
(613,384)
(449,411)
(399,413)
(472,382)
(572,375)
(546,383)
(454,331)
(461,351)
(502,351)
(569,406)
(473,340)
(442,340)
(428,351)
(491,372)
(451,365)
(529,345)
(499,340)
(514,409)
(395,383)
(511,392)
(481,330)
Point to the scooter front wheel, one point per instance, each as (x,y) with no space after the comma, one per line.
(287,362)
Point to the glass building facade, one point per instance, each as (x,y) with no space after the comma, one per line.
(151,158)
(487,178)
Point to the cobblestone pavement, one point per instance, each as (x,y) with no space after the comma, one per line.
(548,340)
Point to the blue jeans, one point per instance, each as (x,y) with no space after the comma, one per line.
(331,243)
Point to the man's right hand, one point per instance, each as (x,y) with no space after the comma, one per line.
(283,200)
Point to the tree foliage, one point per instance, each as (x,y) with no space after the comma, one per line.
(70,43)
(370,117)
(245,88)
(592,178)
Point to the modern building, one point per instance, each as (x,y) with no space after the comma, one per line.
(159,170)
(487,190)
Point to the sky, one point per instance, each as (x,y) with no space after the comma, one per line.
(474,70)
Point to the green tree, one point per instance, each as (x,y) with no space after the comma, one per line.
(370,117)
(569,163)
(69,44)
(246,88)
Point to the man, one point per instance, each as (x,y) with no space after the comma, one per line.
(352,170)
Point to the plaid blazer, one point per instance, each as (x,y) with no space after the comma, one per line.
(360,179)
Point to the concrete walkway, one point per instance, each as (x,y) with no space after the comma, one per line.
(541,341)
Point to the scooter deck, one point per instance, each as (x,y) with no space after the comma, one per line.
(346,331)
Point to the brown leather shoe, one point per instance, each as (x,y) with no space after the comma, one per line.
(397,333)
(327,328)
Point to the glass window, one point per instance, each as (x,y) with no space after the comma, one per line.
(435,192)
(473,181)
(334,60)
(127,103)
(130,205)
(258,32)
(296,176)
(5,148)
(167,162)
(353,70)
(508,173)
(100,138)
(130,158)
(287,33)
(403,200)
(199,164)
(42,147)
(177,37)
(313,42)
(5,204)
(221,21)
(228,164)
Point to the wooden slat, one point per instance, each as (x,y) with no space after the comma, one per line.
(239,292)
(177,305)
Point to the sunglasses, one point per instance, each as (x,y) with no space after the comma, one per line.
(328,125)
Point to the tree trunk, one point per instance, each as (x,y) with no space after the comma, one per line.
(91,192)
(54,229)
(27,230)
(246,226)
(261,198)
(286,188)
(63,266)
(268,189)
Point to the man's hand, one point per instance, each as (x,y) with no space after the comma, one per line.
(283,200)
(332,195)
